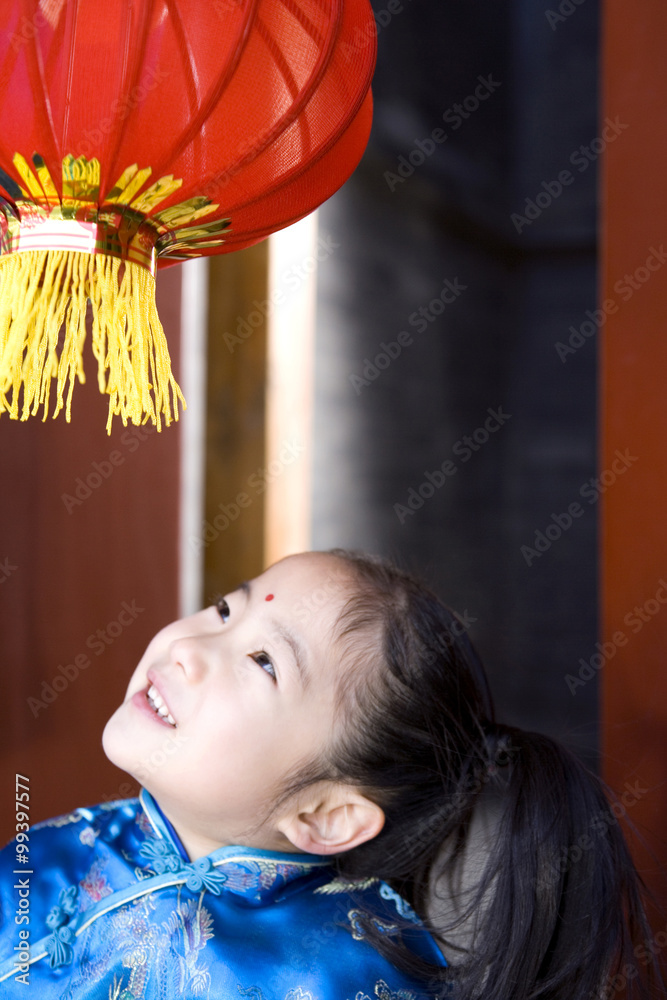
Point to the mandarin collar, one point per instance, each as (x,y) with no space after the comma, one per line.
(256,875)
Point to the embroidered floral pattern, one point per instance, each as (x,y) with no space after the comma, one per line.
(144,824)
(270,873)
(255,877)
(194,926)
(382,992)
(136,927)
(358,919)
(343,885)
(404,909)
(94,884)
(112,805)
(88,836)
(255,993)
(168,953)
(58,821)
(139,941)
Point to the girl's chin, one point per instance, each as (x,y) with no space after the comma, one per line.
(115,739)
(108,739)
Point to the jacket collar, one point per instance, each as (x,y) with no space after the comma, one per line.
(256,875)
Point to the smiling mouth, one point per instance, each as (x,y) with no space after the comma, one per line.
(156,702)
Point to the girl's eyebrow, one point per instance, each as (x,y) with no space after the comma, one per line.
(297,650)
(287,636)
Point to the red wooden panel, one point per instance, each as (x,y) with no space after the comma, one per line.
(88,557)
(634,422)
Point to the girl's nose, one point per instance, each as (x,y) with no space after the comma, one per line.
(189,653)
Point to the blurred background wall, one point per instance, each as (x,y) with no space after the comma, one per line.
(440,235)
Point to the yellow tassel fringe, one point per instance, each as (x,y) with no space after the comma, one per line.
(40,290)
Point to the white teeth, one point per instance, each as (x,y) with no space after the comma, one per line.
(155,696)
(158,703)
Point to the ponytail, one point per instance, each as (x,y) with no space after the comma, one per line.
(502,841)
(565,914)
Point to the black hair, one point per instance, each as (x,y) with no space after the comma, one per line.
(556,905)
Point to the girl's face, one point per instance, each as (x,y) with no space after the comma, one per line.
(250,685)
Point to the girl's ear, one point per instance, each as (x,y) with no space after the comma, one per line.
(335,819)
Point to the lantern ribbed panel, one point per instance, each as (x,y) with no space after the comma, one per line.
(134,133)
(263,107)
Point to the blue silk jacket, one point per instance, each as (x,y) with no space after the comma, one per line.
(109,906)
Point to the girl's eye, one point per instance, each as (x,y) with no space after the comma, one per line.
(265,663)
(222,608)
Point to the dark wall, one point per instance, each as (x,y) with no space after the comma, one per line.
(438,221)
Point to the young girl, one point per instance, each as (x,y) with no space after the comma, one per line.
(328,810)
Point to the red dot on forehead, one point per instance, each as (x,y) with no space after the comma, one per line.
(269,597)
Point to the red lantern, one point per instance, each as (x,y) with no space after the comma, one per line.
(135,133)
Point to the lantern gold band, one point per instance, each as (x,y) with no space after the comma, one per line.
(86,244)
(81,237)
